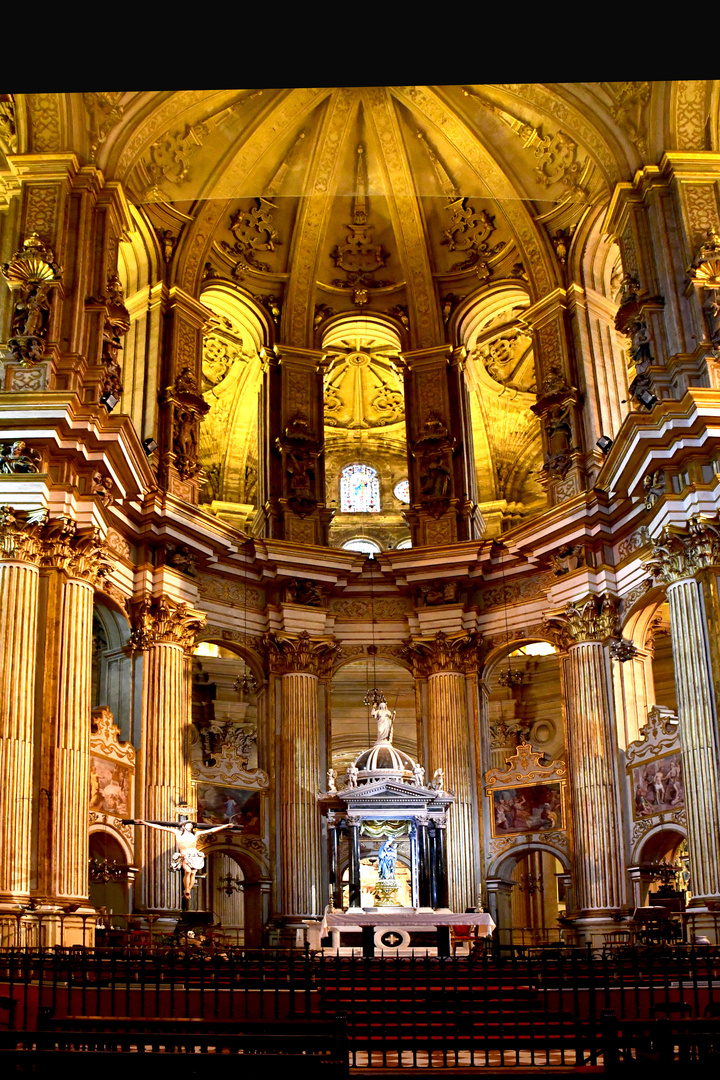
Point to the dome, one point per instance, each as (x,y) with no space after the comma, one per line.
(383,761)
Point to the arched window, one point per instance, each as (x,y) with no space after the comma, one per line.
(359,490)
(362,543)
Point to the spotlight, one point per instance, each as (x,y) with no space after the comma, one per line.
(109,400)
(149,445)
(604,443)
(647,399)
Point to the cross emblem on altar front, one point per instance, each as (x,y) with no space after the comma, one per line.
(392,938)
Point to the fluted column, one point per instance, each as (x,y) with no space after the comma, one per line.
(584,630)
(19,576)
(679,555)
(445,662)
(165,630)
(73,561)
(300,662)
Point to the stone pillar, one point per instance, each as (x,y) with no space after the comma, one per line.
(680,558)
(73,562)
(444,662)
(584,630)
(354,888)
(299,662)
(19,575)
(292,462)
(165,630)
(443,486)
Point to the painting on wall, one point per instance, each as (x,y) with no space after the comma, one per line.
(218,804)
(109,787)
(658,786)
(534,808)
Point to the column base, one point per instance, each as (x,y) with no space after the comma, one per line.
(703,921)
(590,929)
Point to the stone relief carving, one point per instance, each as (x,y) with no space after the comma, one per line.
(8,129)
(18,457)
(679,553)
(303,592)
(631,99)
(299,453)
(82,553)
(102,487)
(705,276)
(567,558)
(302,653)
(439,592)
(31,274)
(104,111)
(160,620)
(654,487)
(21,533)
(433,449)
(442,653)
(358,257)
(189,408)
(597,619)
(254,232)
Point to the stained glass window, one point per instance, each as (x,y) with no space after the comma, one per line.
(401,491)
(359,490)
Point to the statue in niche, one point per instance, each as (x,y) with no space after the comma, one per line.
(440,593)
(558,431)
(387,858)
(187,857)
(32,310)
(304,592)
(18,457)
(185,441)
(385,718)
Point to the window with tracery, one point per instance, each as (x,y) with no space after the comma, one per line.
(359,490)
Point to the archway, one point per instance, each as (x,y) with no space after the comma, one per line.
(662,876)
(110,877)
(352,727)
(532,896)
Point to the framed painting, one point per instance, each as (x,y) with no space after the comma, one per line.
(218,804)
(109,787)
(658,786)
(533,808)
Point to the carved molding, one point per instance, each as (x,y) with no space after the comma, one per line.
(300,654)
(597,619)
(104,738)
(659,736)
(31,274)
(679,553)
(162,621)
(21,534)
(524,767)
(443,653)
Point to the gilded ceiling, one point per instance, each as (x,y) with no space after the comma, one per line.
(442,212)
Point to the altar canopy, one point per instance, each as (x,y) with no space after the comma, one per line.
(386,830)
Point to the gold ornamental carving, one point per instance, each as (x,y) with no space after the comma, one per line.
(81,553)
(597,619)
(189,408)
(31,274)
(162,621)
(443,653)
(679,553)
(525,767)
(21,534)
(303,653)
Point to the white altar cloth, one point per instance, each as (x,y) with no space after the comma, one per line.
(403,920)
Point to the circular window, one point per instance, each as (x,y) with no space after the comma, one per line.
(401,491)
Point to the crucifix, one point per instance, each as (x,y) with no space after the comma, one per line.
(187,857)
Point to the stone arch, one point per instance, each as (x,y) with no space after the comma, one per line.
(353,728)
(660,839)
(233,344)
(532,710)
(243,652)
(140,270)
(507,860)
(649,678)
(500,372)
(602,377)
(116,835)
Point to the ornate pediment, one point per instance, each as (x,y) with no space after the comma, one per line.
(394,794)
(658,737)
(524,768)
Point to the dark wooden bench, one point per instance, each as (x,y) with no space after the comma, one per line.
(110,1046)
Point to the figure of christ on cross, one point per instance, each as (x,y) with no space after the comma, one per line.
(187,857)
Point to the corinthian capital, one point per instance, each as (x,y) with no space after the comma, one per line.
(597,619)
(81,553)
(159,620)
(21,533)
(303,653)
(680,552)
(443,653)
